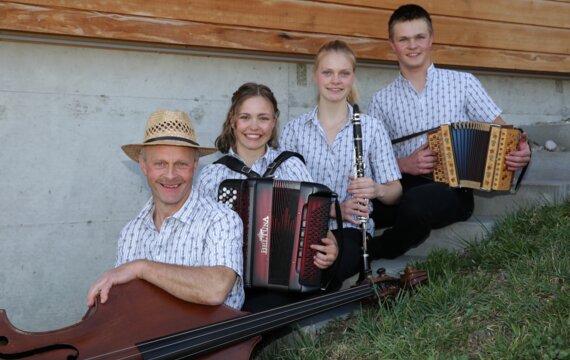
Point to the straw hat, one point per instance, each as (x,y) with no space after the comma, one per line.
(167,128)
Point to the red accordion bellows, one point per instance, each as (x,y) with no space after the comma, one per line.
(281,220)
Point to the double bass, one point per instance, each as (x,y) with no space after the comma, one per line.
(133,324)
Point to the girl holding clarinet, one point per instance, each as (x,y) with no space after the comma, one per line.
(325,138)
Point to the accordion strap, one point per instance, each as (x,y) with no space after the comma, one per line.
(339,242)
(280,159)
(408,137)
(523,171)
(237,165)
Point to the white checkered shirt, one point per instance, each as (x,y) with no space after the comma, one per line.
(332,164)
(201,233)
(448,97)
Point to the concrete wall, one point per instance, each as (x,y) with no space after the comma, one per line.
(66,188)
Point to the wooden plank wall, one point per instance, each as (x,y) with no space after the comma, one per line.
(512,35)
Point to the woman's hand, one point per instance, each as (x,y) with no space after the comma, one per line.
(353,208)
(363,187)
(327,253)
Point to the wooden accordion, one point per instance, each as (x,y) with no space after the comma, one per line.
(281,220)
(472,154)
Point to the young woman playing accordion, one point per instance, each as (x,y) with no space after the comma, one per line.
(249,134)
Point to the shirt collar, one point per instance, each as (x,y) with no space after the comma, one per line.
(262,159)
(146,214)
(233,153)
(313,115)
(184,212)
(429,75)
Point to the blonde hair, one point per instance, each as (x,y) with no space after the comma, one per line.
(342,47)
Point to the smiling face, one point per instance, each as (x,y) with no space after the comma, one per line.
(334,76)
(169,171)
(253,126)
(411,42)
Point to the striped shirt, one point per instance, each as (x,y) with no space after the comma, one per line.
(212,175)
(331,165)
(448,97)
(201,233)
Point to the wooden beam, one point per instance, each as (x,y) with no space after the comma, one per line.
(546,13)
(287,15)
(112,27)
(333,19)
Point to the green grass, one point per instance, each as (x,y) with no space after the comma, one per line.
(506,297)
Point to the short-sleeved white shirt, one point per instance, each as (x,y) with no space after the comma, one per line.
(448,97)
(202,233)
(331,164)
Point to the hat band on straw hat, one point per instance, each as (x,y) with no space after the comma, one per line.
(171,128)
(175,138)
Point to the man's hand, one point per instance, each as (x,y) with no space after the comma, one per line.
(520,157)
(422,161)
(120,275)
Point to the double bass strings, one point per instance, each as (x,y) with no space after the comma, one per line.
(197,342)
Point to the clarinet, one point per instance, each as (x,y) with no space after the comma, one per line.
(359,167)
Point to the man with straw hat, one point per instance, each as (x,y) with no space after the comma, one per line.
(184,243)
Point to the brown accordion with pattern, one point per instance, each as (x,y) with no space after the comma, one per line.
(281,220)
(472,154)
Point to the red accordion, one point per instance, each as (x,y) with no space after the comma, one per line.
(281,220)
